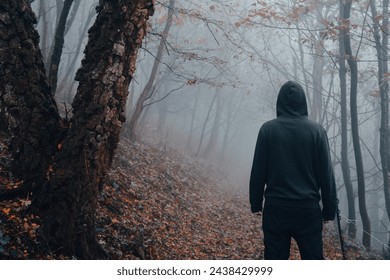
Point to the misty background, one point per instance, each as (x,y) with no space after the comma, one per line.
(209,72)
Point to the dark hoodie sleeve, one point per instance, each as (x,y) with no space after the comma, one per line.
(258,174)
(326,179)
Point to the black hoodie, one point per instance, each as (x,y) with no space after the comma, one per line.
(292,158)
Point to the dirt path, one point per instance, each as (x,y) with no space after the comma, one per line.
(173,208)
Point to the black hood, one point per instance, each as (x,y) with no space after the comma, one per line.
(291,101)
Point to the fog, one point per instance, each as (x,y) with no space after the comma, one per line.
(217,80)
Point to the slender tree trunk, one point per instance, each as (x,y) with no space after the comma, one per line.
(129,104)
(318,66)
(214,135)
(226,136)
(58,45)
(67,202)
(59,8)
(72,16)
(295,67)
(194,110)
(385,151)
(146,93)
(303,66)
(205,125)
(62,9)
(345,167)
(28,108)
(71,67)
(355,130)
(383,70)
(45,30)
(162,112)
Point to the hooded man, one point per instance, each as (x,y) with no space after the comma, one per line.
(292,159)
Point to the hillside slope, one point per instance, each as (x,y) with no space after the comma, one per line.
(174,209)
(156,204)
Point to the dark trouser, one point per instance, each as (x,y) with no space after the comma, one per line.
(281,223)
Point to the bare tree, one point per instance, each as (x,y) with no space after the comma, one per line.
(345,167)
(383,69)
(352,61)
(148,89)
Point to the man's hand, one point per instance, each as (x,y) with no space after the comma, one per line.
(257,213)
(255,209)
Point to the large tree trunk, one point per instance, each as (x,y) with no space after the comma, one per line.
(28,108)
(355,130)
(345,167)
(67,202)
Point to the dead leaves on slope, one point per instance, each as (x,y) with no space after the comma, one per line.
(173,209)
(156,204)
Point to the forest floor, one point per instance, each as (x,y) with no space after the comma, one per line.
(157,204)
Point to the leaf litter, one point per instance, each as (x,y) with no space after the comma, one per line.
(157,204)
